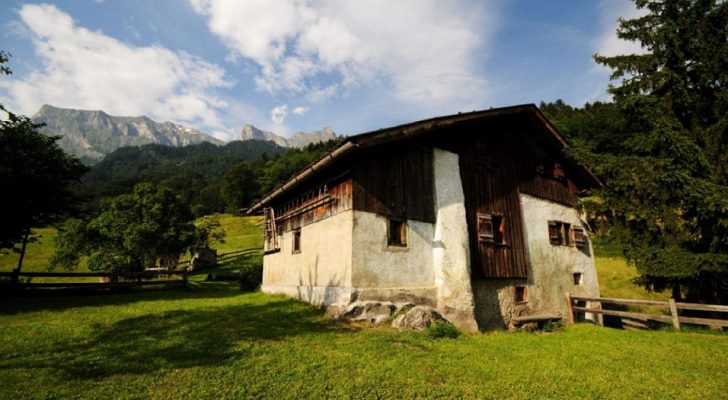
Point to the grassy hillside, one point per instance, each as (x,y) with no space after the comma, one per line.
(215,342)
(616,277)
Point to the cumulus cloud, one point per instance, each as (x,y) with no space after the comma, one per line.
(608,44)
(300,110)
(278,114)
(90,70)
(421,51)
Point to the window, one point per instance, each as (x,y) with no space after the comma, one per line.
(577,278)
(560,233)
(491,228)
(579,237)
(520,294)
(297,240)
(397,233)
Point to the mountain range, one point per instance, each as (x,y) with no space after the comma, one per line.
(91,135)
(299,140)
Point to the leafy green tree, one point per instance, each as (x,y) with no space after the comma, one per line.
(209,231)
(667,195)
(36,176)
(149,226)
(240,186)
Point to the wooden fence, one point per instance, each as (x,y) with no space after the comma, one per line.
(673,318)
(238,253)
(107,280)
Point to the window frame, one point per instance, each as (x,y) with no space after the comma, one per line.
(491,228)
(398,226)
(296,241)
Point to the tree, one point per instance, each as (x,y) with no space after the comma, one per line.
(36,176)
(209,231)
(147,227)
(667,195)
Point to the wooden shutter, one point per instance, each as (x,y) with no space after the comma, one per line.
(554,232)
(485,228)
(579,237)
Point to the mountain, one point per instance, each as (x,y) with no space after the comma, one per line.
(91,135)
(299,140)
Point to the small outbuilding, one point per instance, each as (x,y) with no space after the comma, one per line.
(474,214)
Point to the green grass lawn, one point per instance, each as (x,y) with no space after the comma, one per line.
(214,341)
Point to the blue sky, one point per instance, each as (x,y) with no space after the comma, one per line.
(294,65)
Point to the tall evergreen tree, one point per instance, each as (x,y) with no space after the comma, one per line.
(667,198)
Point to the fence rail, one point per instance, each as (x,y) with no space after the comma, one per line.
(113,280)
(238,253)
(674,318)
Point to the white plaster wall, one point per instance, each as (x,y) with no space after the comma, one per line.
(321,272)
(451,246)
(550,274)
(375,264)
(553,266)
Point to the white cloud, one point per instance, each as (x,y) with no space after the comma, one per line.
(89,70)
(608,44)
(422,52)
(278,114)
(300,110)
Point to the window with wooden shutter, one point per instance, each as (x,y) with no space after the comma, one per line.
(579,237)
(555,233)
(491,228)
(397,233)
(485,228)
(566,234)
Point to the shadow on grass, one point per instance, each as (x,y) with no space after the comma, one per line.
(179,339)
(49,301)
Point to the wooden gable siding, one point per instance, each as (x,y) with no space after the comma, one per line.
(536,152)
(320,200)
(396,181)
(488,169)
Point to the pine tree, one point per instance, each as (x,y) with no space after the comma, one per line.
(667,197)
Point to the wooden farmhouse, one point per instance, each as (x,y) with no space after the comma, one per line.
(474,214)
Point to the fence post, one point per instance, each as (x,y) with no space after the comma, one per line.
(673,312)
(569,309)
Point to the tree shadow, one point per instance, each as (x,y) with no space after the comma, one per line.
(58,300)
(178,339)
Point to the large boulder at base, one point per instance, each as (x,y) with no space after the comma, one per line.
(370,311)
(417,318)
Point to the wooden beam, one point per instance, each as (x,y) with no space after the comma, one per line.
(673,314)
(623,301)
(701,307)
(661,318)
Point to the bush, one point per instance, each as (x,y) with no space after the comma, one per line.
(440,329)
(251,275)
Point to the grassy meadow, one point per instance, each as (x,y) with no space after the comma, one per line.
(215,341)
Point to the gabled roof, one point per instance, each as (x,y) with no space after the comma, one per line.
(413,129)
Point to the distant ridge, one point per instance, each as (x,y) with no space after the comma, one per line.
(92,134)
(299,140)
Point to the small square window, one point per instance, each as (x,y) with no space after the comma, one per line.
(560,233)
(397,233)
(520,294)
(579,237)
(577,278)
(491,228)
(297,240)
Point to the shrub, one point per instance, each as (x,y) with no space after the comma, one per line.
(441,329)
(251,275)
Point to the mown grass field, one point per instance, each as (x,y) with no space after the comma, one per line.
(214,341)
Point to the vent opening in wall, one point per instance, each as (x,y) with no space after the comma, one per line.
(577,278)
(397,233)
(520,294)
